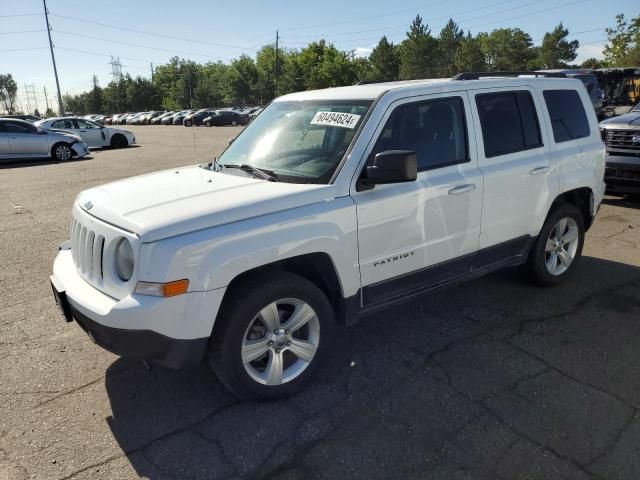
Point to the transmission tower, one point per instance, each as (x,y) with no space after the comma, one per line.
(31,97)
(116,68)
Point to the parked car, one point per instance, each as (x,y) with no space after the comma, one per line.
(622,138)
(255,113)
(27,118)
(226,117)
(179,117)
(157,119)
(22,139)
(197,118)
(92,133)
(168,120)
(331,205)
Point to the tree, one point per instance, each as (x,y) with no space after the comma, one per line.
(385,61)
(95,97)
(49,113)
(556,51)
(592,64)
(507,49)
(449,41)
(623,44)
(418,53)
(469,56)
(8,93)
(36,113)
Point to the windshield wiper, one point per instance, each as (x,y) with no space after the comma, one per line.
(257,172)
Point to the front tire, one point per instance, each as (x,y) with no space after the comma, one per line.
(187,123)
(272,336)
(61,152)
(208,124)
(234,123)
(558,247)
(119,141)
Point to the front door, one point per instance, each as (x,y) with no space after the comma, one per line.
(416,235)
(92,133)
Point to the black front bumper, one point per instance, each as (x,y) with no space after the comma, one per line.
(143,344)
(622,173)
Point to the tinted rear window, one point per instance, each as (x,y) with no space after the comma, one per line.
(509,122)
(567,115)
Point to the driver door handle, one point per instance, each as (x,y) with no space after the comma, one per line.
(540,170)
(469,187)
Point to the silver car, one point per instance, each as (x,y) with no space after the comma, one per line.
(20,139)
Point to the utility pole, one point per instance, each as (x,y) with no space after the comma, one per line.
(151,72)
(46,98)
(275,68)
(53,59)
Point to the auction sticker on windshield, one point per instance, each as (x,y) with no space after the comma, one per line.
(335,119)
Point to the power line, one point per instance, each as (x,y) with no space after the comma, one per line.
(161,35)
(21,15)
(22,31)
(182,52)
(23,49)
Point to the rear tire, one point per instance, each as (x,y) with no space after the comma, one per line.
(234,123)
(208,124)
(187,123)
(272,335)
(119,141)
(558,247)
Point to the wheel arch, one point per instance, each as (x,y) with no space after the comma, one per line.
(316,267)
(60,142)
(582,198)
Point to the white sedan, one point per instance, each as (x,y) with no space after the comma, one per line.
(94,134)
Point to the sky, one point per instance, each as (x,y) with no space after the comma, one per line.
(141,32)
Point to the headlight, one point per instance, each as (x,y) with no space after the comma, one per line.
(124,260)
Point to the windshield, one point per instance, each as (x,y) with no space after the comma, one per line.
(300,142)
(636,108)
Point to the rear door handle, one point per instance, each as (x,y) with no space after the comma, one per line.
(540,170)
(469,187)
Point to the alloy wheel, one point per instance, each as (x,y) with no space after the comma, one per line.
(561,246)
(63,152)
(280,341)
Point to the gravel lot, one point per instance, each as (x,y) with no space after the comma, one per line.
(493,379)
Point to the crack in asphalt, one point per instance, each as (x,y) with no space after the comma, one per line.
(609,448)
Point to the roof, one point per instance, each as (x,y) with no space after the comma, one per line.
(372,91)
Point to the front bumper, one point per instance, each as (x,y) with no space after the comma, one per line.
(622,173)
(81,149)
(171,331)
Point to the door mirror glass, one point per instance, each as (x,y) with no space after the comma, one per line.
(391,166)
(41,131)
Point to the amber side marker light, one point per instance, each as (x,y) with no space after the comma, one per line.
(170,289)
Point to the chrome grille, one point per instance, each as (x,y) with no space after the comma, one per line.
(87,248)
(623,139)
(620,174)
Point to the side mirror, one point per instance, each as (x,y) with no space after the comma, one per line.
(41,131)
(231,140)
(392,166)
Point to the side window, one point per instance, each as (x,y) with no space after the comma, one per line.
(434,129)
(14,127)
(509,122)
(62,124)
(566,112)
(86,125)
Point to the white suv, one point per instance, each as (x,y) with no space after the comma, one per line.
(330,205)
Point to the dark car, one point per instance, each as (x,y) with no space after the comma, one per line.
(178,118)
(622,138)
(226,117)
(26,118)
(197,118)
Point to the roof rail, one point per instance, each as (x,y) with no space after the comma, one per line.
(479,75)
(369,82)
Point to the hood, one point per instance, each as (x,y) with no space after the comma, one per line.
(173,202)
(631,119)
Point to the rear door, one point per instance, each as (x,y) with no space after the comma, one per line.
(419,234)
(514,156)
(25,140)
